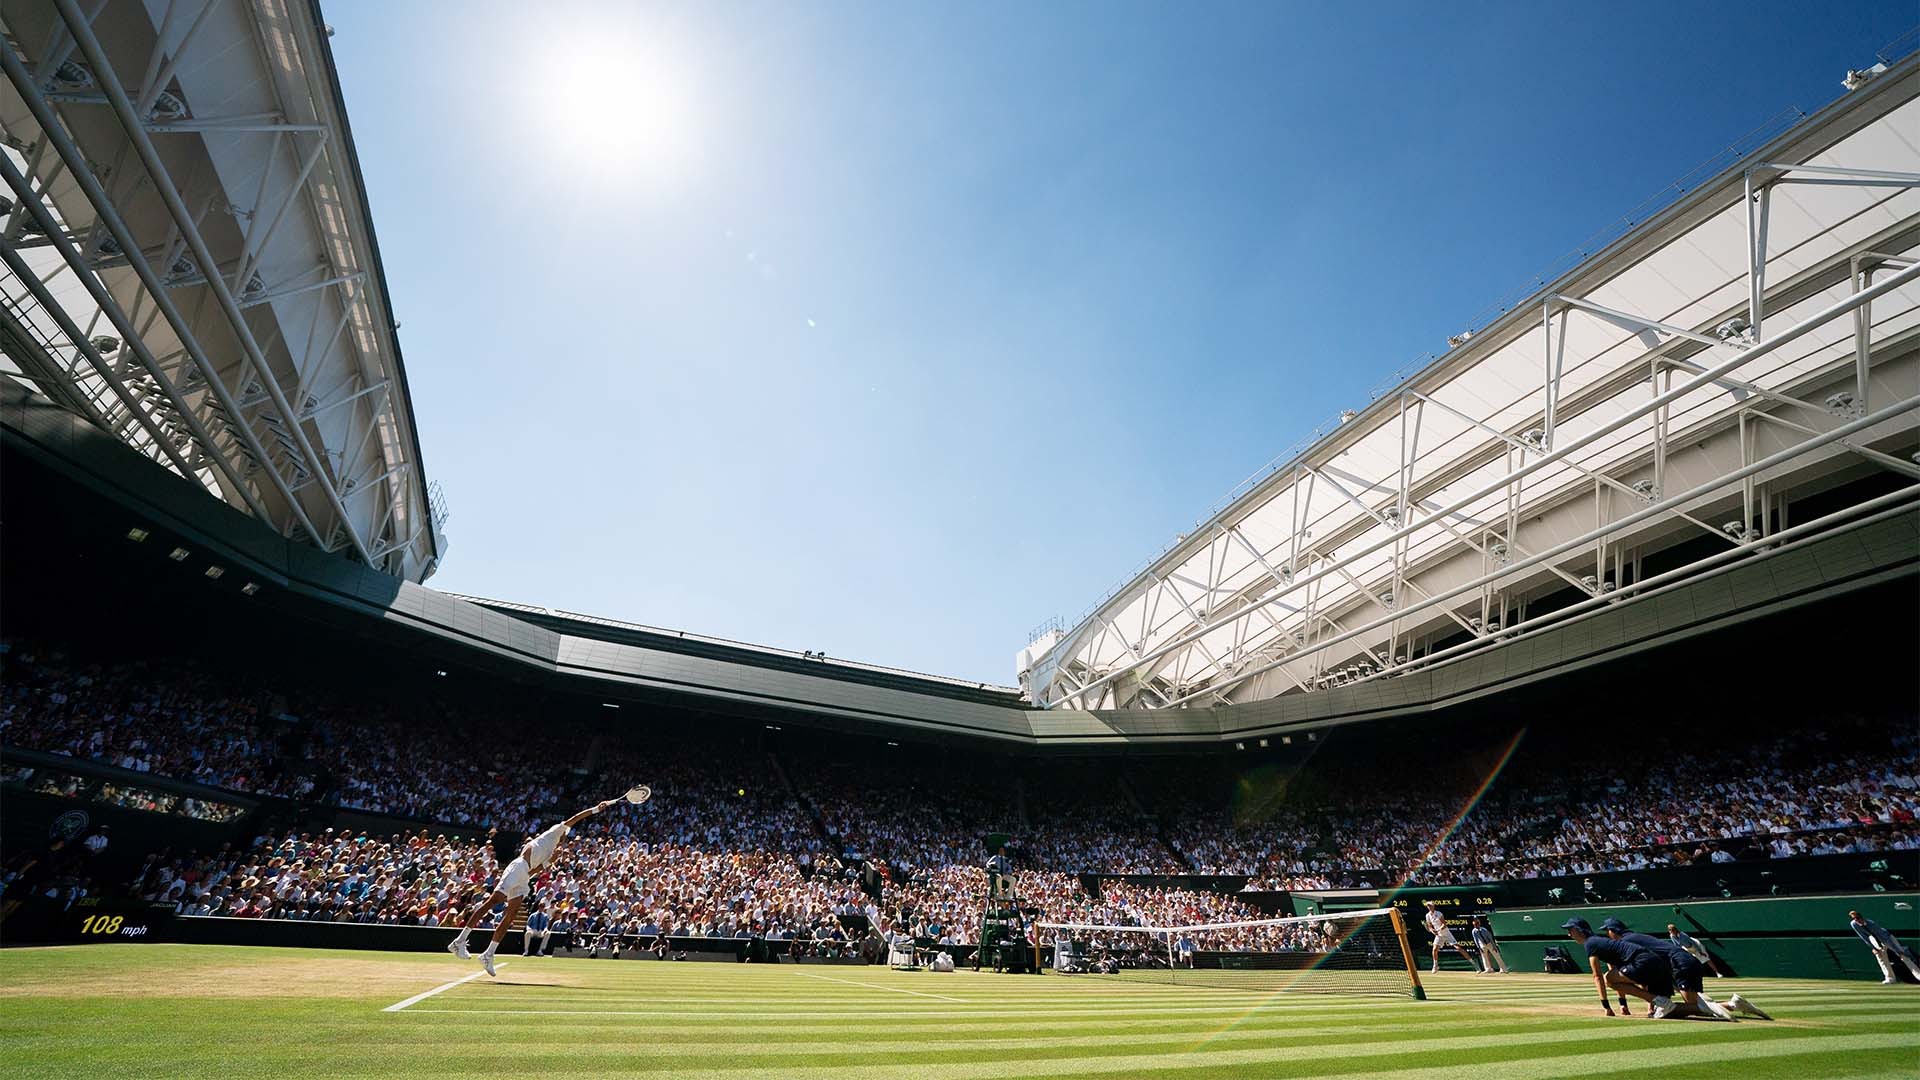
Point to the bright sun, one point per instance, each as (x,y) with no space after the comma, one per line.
(620,109)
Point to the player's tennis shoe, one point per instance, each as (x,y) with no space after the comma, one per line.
(1747,1008)
(459,949)
(486,961)
(1717,1010)
(1662,1008)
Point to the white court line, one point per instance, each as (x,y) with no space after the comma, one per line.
(417,998)
(872,986)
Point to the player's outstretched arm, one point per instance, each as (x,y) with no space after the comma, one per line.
(596,808)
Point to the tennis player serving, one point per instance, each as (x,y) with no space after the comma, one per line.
(517,878)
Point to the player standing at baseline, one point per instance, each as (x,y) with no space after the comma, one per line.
(515,880)
(1436,922)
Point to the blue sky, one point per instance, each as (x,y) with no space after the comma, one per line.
(892,330)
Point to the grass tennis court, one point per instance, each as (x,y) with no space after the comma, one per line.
(122,1012)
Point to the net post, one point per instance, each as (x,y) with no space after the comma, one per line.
(1406,953)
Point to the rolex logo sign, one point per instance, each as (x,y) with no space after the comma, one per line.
(68,825)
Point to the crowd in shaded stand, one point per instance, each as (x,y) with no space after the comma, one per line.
(731,847)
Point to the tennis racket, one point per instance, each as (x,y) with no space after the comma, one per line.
(639,793)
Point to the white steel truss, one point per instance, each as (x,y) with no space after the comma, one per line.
(1754,337)
(202,282)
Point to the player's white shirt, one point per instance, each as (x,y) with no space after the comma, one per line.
(540,852)
(1436,922)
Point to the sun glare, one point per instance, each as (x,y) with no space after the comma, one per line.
(622,110)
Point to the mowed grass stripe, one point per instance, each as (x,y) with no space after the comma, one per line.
(860,1043)
(1591,1056)
(297,1015)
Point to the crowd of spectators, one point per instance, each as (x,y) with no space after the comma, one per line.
(736,844)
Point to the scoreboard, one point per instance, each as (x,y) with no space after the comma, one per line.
(1458,903)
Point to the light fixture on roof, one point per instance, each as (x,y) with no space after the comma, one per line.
(1643,487)
(179,554)
(1263,742)
(214,572)
(1736,329)
(105,344)
(442,674)
(1386,600)
(1535,436)
(137,534)
(250,588)
(1311,736)
(1391,515)
(1286,740)
(604,704)
(893,743)
(1460,339)
(1841,404)
(71,74)
(1589,582)
(1239,746)
(1857,79)
(1347,414)
(167,106)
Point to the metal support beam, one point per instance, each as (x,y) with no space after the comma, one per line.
(163,185)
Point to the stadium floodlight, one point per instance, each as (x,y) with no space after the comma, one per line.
(250,588)
(179,554)
(891,743)
(442,674)
(105,344)
(214,572)
(1460,339)
(1239,746)
(608,705)
(1263,742)
(137,534)
(1286,740)
(1347,414)
(1311,736)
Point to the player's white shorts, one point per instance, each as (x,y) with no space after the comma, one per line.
(515,879)
(1444,939)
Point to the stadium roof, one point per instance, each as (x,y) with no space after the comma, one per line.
(190,264)
(811,662)
(1344,561)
